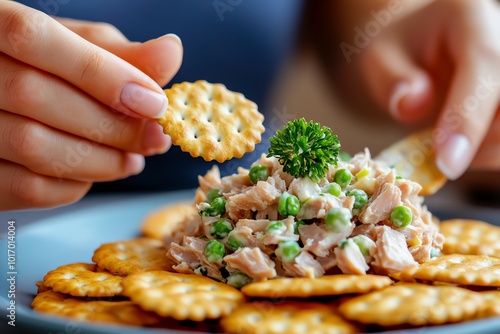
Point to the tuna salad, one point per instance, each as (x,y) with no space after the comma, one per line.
(353,215)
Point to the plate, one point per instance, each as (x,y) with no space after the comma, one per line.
(73,236)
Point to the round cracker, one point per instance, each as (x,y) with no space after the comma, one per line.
(181,296)
(491,304)
(303,287)
(414,304)
(289,317)
(470,237)
(473,270)
(167,220)
(132,256)
(82,280)
(210,121)
(118,312)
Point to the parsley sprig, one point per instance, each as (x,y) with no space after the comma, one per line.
(305,148)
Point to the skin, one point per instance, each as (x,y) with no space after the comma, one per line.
(50,156)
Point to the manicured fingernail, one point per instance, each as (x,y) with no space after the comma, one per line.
(399,93)
(134,164)
(173,37)
(454,156)
(144,101)
(154,141)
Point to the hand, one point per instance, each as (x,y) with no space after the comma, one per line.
(443,60)
(77,105)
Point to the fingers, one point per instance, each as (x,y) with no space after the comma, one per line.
(24,189)
(488,155)
(50,152)
(159,58)
(396,83)
(36,39)
(467,114)
(50,100)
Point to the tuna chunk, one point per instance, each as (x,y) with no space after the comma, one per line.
(250,239)
(304,265)
(380,205)
(253,262)
(319,240)
(318,206)
(350,259)
(209,181)
(392,254)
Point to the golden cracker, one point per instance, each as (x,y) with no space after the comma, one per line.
(119,312)
(289,317)
(167,220)
(82,280)
(41,287)
(472,270)
(328,285)
(414,304)
(210,121)
(470,237)
(132,256)
(181,296)
(491,304)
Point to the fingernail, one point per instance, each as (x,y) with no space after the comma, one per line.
(399,93)
(154,141)
(134,164)
(454,156)
(144,101)
(173,37)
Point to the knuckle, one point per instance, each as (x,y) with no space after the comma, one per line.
(27,143)
(21,27)
(23,89)
(91,65)
(30,189)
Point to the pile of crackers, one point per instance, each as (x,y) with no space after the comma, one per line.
(131,282)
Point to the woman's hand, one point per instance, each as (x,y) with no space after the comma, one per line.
(443,60)
(78,104)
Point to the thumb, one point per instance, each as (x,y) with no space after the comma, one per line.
(397,84)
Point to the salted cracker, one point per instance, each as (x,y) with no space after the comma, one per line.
(167,220)
(470,237)
(328,285)
(290,317)
(181,296)
(413,304)
(118,312)
(82,280)
(210,121)
(472,270)
(132,256)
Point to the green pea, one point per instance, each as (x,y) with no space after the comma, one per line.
(212,194)
(333,189)
(401,216)
(234,243)
(215,251)
(360,198)
(216,208)
(238,279)
(275,226)
(200,270)
(338,219)
(364,243)
(343,177)
(258,173)
(220,229)
(297,225)
(288,250)
(288,205)
(344,156)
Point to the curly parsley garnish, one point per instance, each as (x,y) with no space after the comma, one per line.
(305,148)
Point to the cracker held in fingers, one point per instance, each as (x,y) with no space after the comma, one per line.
(210,121)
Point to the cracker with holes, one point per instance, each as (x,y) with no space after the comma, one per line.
(181,296)
(470,237)
(167,220)
(469,270)
(288,317)
(210,121)
(132,256)
(82,280)
(118,312)
(413,304)
(302,287)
